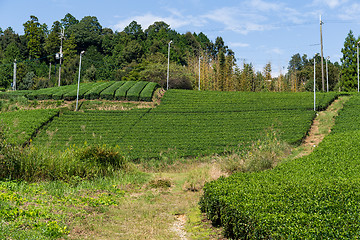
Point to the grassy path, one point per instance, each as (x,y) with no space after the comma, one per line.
(161,209)
(321,127)
(165,208)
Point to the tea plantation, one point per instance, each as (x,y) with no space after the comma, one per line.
(314,197)
(187,123)
(100,90)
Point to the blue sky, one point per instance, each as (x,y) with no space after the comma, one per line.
(258,31)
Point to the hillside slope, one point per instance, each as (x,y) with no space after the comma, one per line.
(188,123)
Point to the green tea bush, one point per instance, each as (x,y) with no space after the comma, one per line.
(109,93)
(84,88)
(121,92)
(134,92)
(148,92)
(191,123)
(314,197)
(94,93)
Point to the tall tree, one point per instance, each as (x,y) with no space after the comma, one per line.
(135,31)
(9,36)
(34,33)
(87,32)
(11,53)
(52,42)
(68,21)
(349,64)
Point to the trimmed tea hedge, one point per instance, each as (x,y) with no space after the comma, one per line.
(109,93)
(23,124)
(134,92)
(121,93)
(105,90)
(193,123)
(314,197)
(85,87)
(94,93)
(148,92)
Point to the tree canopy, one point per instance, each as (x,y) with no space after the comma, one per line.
(141,54)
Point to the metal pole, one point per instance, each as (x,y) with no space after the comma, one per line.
(357,47)
(78,86)
(314,84)
(199,71)
(327,75)
(49,71)
(322,57)
(60,69)
(61,54)
(14,77)
(168,68)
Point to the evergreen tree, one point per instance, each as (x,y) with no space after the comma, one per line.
(68,21)
(52,42)
(34,33)
(349,64)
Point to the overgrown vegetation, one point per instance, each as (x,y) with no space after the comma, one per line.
(35,164)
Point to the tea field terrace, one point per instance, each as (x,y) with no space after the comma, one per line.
(188,123)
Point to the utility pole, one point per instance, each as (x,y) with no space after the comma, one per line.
(315,82)
(327,74)
(357,51)
(78,86)
(49,71)
(168,67)
(322,57)
(61,53)
(199,70)
(14,79)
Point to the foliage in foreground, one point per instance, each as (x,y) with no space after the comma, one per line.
(65,189)
(314,197)
(50,210)
(34,164)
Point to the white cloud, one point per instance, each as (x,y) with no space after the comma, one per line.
(251,16)
(176,20)
(330,3)
(350,12)
(265,6)
(239,44)
(238,21)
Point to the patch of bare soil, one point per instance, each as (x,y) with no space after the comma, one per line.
(321,126)
(178,226)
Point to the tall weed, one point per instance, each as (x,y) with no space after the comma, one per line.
(34,164)
(263,154)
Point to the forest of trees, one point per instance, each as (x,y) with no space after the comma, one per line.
(137,54)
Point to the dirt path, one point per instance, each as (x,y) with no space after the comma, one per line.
(321,126)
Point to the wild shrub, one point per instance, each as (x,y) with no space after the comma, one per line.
(263,154)
(34,164)
(10,157)
(101,155)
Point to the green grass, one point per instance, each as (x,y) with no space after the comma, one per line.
(50,210)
